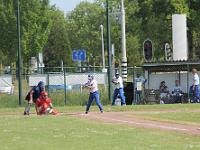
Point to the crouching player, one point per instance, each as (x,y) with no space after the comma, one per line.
(44,105)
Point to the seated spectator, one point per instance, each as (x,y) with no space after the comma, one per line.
(164,93)
(177,93)
(44,105)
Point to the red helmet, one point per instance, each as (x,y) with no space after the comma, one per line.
(43,93)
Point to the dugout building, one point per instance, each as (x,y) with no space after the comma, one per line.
(168,71)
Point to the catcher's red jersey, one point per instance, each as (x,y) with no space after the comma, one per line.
(40,102)
(44,106)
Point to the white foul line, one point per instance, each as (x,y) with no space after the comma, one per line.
(139,123)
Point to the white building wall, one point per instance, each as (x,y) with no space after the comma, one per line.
(71,79)
(6,84)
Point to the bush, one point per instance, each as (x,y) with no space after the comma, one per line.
(73,98)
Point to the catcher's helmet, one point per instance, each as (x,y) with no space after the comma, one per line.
(44,93)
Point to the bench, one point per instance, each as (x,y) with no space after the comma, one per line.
(151,96)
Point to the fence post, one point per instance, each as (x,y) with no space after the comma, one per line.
(65,90)
(48,83)
(188,87)
(134,84)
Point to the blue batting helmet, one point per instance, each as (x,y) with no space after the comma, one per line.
(117,74)
(90,77)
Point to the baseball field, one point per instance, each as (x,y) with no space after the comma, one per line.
(136,127)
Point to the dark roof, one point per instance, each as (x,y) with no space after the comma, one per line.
(168,66)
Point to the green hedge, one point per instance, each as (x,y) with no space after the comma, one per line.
(73,98)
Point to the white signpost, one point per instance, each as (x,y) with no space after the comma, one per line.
(179,36)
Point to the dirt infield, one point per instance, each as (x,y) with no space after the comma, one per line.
(123,118)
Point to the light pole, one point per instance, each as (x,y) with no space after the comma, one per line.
(19,55)
(123,30)
(103,54)
(109,52)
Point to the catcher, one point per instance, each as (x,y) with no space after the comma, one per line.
(44,105)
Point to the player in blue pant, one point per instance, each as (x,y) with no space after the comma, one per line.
(119,89)
(94,94)
(195,86)
(138,85)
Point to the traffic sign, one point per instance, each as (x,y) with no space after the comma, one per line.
(79,55)
(148,50)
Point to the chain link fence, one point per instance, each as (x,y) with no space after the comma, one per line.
(62,84)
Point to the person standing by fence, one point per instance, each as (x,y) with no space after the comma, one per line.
(195,86)
(33,95)
(138,82)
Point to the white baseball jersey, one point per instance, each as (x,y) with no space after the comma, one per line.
(119,82)
(196,79)
(93,86)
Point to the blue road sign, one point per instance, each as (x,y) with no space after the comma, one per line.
(79,55)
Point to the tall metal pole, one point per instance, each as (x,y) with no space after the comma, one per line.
(19,55)
(102,44)
(65,90)
(109,52)
(123,30)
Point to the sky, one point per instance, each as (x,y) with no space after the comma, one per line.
(66,5)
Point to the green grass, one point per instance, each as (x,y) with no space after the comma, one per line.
(8,101)
(187,117)
(158,107)
(18,132)
(64,132)
(181,113)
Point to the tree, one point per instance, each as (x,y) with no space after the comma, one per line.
(193,28)
(45,28)
(36,24)
(35,27)
(152,19)
(84,28)
(8,30)
(58,44)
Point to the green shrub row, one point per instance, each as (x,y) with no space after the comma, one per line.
(73,98)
